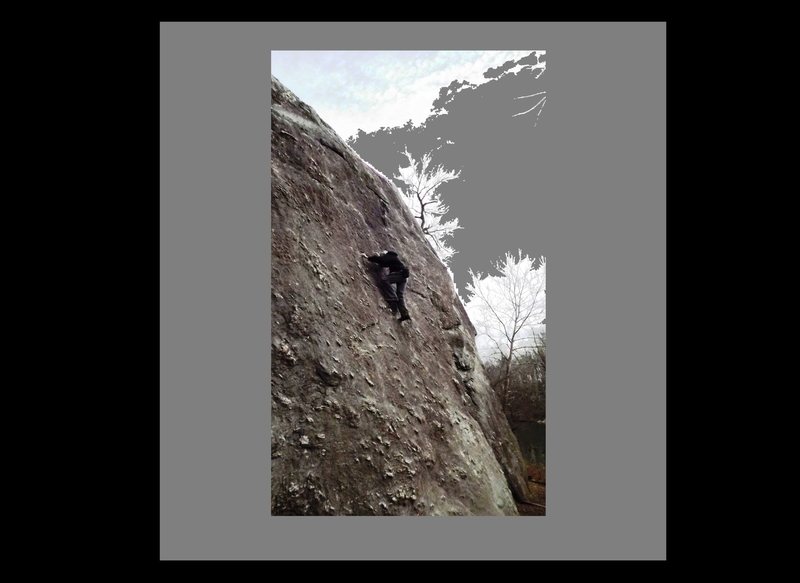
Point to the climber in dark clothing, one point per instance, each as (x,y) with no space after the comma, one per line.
(398,275)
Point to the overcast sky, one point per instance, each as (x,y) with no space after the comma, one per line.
(354,90)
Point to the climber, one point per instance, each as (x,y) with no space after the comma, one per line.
(398,275)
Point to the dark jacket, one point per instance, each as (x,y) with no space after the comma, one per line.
(393,262)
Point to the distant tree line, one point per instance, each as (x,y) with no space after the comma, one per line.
(521,383)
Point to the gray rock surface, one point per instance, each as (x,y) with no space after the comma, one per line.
(370,416)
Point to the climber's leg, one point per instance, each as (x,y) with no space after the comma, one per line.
(401,302)
(388,291)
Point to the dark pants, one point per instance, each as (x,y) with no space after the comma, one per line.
(396,298)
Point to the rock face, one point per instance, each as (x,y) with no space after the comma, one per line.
(370,416)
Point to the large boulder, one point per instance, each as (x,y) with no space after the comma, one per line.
(370,416)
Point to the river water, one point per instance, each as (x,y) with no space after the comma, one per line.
(531,438)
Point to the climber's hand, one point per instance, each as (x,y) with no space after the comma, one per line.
(364,255)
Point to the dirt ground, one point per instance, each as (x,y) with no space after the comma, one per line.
(537,487)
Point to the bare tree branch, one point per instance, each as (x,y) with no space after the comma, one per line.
(421,196)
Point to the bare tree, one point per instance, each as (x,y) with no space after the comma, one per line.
(523,390)
(422,197)
(508,309)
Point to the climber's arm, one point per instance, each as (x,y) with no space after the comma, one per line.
(376,259)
